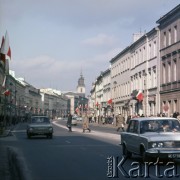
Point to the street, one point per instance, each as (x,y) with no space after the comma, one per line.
(73,155)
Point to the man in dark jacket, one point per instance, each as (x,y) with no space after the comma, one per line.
(69,122)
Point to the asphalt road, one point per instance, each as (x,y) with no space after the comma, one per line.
(68,156)
(76,155)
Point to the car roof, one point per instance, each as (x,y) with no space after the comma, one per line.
(153,118)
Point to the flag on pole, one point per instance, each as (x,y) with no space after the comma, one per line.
(77,110)
(6,92)
(5,49)
(109,101)
(139,96)
(5,45)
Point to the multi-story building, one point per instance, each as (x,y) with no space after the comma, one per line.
(169,26)
(54,103)
(107,96)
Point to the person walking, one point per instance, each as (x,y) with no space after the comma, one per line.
(69,122)
(120,122)
(86,122)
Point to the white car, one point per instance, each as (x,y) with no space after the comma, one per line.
(74,121)
(79,118)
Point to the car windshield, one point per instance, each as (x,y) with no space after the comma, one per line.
(164,125)
(40,120)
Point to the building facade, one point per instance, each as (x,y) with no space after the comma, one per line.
(169,26)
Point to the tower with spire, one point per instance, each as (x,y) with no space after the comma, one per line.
(81,86)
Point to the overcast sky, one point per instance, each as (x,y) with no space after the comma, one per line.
(53,40)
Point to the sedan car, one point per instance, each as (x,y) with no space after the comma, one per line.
(39,125)
(152,138)
(74,121)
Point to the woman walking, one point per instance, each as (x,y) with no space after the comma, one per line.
(86,122)
(69,122)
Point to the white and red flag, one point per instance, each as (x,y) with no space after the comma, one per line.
(109,101)
(140,96)
(5,48)
(6,92)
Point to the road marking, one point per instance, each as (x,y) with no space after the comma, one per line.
(15,131)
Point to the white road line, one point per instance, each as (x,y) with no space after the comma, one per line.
(15,131)
(93,133)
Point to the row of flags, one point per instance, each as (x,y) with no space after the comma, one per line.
(5,56)
(137,94)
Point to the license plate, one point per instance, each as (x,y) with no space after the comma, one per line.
(173,155)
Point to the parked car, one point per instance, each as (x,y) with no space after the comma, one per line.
(152,138)
(74,121)
(39,125)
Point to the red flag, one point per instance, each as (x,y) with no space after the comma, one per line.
(77,110)
(109,101)
(9,52)
(5,48)
(139,96)
(7,92)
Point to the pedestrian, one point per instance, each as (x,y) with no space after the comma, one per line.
(86,122)
(69,122)
(120,122)
(128,119)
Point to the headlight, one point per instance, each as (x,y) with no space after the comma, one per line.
(50,129)
(30,129)
(157,145)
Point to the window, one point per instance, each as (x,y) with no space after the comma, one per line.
(175,70)
(175,34)
(169,72)
(169,37)
(164,42)
(175,106)
(164,73)
(154,50)
(133,127)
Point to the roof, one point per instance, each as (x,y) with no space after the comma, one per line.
(170,13)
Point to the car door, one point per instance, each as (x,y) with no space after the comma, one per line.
(132,136)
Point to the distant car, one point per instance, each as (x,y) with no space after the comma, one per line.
(39,125)
(79,118)
(74,121)
(152,138)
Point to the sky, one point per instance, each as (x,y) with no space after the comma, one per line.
(53,41)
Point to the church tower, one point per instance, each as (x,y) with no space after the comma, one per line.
(81,85)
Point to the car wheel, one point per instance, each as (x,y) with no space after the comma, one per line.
(145,158)
(126,153)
